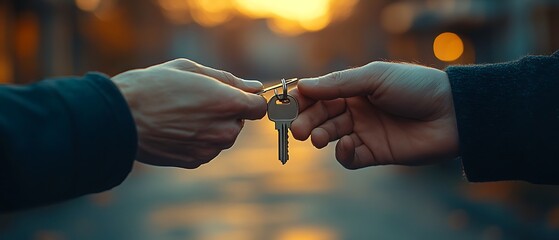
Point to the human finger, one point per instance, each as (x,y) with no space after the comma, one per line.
(352,154)
(251,86)
(303,101)
(315,115)
(345,151)
(253,106)
(222,134)
(331,130)
(342,84)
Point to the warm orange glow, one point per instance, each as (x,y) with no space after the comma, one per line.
(308,233)
(244,176)
(287,17)
(448,47)
(175,11)
(209,13)
(6,70)
(27,37)
(292,17)
(317,23)
(88,5)
(294,10)
(285,27)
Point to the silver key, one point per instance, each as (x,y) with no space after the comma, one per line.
(283,113)
(270,88)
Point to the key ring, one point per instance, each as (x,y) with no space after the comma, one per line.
(283,98)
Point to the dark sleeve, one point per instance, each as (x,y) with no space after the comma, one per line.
(63,138)
(508,119)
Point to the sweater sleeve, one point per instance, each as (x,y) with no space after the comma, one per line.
(63,138)
(508,119)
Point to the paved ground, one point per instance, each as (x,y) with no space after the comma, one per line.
(247,194)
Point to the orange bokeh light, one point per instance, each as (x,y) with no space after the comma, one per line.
(88,5)
(287,17)
(448,47)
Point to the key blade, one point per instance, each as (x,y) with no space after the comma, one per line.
(283,143)
(281,123)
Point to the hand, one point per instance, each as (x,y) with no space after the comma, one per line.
(383,113)
(186,113)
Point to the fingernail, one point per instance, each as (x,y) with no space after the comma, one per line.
(253,84)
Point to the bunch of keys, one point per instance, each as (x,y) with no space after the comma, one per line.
(282,109)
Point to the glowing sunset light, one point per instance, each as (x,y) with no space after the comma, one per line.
(287,17)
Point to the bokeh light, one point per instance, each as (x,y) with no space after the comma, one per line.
(88,5)
(175,11)
(308,233)
(209,13)
(448,47)
(288,17)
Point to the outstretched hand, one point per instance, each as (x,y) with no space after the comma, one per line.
(382,113)
(186,113)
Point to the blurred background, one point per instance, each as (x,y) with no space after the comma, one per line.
(246,193)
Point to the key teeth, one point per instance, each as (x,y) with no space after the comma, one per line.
(284,161)
(286,147)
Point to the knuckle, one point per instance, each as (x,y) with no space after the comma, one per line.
(378,68)
(335,77)
(189,65)
(228,77)
(184,62)
(375,65)
(197,68)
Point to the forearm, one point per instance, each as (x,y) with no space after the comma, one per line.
(508,119)
(62,139)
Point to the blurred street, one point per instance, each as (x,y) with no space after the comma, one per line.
(247,194)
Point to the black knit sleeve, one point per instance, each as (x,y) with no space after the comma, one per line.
(508,119)
(63,138)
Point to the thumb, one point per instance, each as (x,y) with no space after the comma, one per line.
(254,106)
(342,84)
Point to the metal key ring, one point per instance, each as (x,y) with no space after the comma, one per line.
(284,85)
(283,97)
(279,97)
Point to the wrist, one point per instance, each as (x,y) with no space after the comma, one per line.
(124,83)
